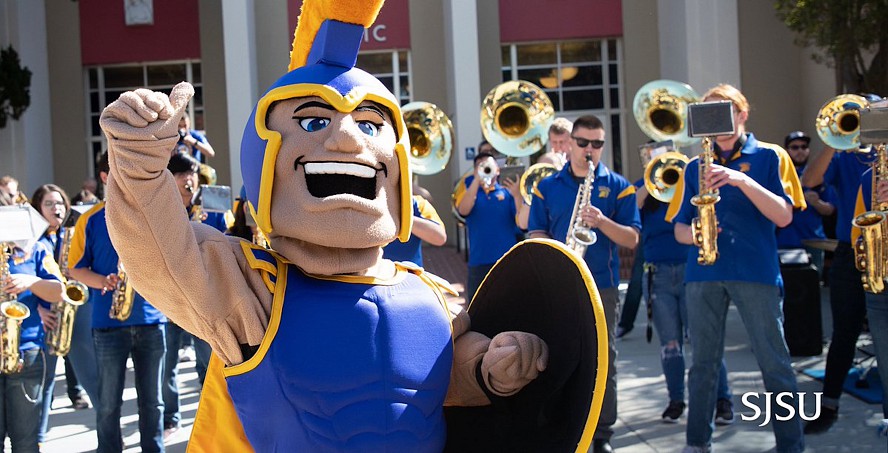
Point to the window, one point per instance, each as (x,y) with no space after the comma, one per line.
(580,77)
(107,83)
(392,68)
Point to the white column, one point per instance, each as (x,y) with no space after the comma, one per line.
(26,143)
(699,42)
(463,77)
(240,75)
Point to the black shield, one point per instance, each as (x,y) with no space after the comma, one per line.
(540,287)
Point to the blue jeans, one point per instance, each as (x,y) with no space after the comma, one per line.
(82,357)
(761,310)
(171,414)
(877,313)
(22,402)
(476,276)
(670,318)
(202,352)
(113,345)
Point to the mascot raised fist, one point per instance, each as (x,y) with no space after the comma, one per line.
(319,343)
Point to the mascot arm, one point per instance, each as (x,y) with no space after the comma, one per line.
(503,365)
(195,276)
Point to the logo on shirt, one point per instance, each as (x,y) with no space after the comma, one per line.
(603,192)
(744,167)
(500,196)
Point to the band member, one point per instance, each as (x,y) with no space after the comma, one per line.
(876,303)
(806,224)
(320,336)
(94,261)
(34,278)
(490,210)
(53,204)
(847,300)
(559,143)
(663,288)
(612,212)
(427,226)
(753,201)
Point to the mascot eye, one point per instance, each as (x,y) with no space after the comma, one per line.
(314,124)
(368,128)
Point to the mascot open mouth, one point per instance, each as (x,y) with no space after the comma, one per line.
(324,179)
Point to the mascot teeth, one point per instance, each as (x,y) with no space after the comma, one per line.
(336,168)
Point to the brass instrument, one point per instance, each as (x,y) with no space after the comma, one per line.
(515,118)
(431,137)
(532,176)
(660,108)
(12,313)
(58,340)
(838,122)
(662,174)
(871,249)
(206,175)
(704,227)
(123,297)
(486,173)
(580,236)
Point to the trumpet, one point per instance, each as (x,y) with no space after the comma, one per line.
(12,313)
(871,249)
(580,236)
(487,173)
(704,227)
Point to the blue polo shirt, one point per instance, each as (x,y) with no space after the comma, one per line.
(553,203)
(91,248)
(843,174)
(658,235)
(412,249)
(491,224)
(747,243)
(806,224)
(41,264)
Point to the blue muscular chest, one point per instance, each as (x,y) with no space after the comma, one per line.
(350,367)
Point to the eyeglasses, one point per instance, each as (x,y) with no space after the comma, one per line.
(582,142)
(52,204)
(798,147)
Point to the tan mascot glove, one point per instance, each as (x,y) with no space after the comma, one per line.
(513,360)
(146,122)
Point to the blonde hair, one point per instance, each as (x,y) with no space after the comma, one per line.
(560,126)
(729,93)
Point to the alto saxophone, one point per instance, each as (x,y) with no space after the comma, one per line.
(704,227)
(871,249)
(580,236)
(12,313)
(122,298)
(58,340)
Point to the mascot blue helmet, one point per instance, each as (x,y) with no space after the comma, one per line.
(322,64)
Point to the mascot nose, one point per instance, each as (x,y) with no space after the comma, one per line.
(346,136)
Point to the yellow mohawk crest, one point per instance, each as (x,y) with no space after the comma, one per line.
(315,12)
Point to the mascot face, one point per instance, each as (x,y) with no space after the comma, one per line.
(335,172)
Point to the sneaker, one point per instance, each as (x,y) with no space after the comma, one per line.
(724,412)
(169,429)
(673,411)
(79,402)
(622,332)
(821,424)
(187,354)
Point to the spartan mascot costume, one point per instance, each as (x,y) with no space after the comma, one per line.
(319,343)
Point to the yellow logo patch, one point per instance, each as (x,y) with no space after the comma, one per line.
(744,167)
(603,192)
(500,196)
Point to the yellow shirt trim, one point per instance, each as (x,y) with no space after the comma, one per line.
(626,192)
(78,241)
(859,208)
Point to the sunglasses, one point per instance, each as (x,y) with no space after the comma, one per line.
(582,142)
(798,147)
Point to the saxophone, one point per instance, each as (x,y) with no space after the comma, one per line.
(58,340)
(122,298)
(871,249)
(580,236)
(704,227)
(12,313)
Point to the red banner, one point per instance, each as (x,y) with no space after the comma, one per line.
(557,20)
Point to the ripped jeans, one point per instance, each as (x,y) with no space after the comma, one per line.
(670,319)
